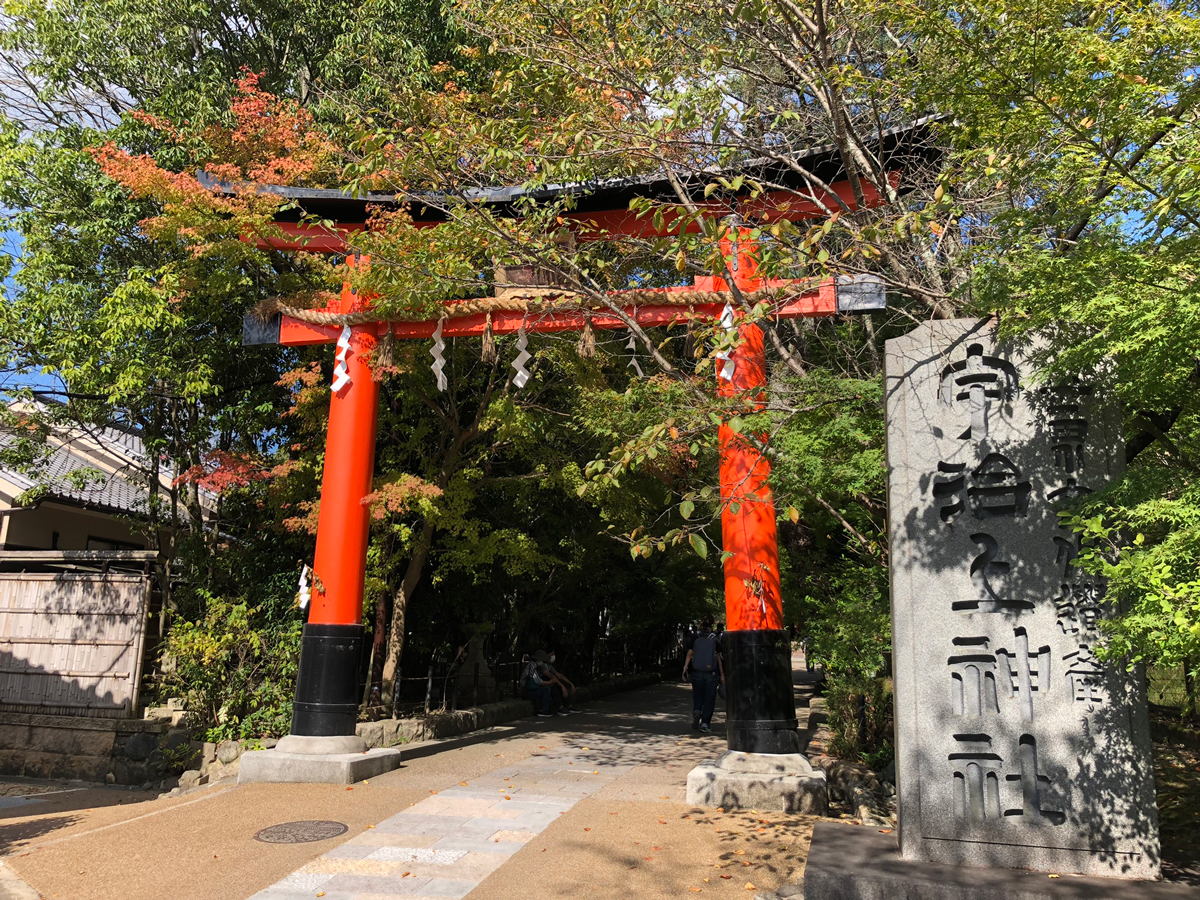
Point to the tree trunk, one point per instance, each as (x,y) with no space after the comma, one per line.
(1191,702)
(375,682)
(395,644)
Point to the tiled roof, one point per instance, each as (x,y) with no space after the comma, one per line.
(118,492)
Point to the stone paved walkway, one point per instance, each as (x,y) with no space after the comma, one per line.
(447,844)
(595,809)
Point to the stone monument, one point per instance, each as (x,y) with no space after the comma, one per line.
(1016,746)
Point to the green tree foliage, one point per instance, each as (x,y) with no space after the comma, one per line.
(1082,119)
(1048,178)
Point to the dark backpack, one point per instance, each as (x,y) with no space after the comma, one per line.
(704,652)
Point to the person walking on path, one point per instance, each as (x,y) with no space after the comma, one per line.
(707,671)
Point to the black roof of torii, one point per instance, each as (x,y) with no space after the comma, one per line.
(895,147)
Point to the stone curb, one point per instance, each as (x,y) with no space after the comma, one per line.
(13,888)
(394,732)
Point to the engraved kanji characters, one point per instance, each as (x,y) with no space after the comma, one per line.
(1067,424)
(1068,431)
(976,770)
(1034,787)
(973,678)
(981,381)
(1085,678)
(1027,673)
(987,577)
(997,489)
(1078,608)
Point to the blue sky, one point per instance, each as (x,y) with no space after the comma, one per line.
(10,246)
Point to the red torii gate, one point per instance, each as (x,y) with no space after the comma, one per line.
(761,711)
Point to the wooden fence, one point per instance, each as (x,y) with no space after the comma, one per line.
(71,642)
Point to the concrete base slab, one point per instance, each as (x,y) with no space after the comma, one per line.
(849,862)
(313,745)
(309,768)
(783,782)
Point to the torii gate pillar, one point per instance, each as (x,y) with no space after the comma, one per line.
(327,693)
(760,705)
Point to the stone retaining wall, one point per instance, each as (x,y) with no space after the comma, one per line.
(392,732)
(116,751)
(147,752)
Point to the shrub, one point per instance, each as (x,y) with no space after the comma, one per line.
(861,719)
(236,667)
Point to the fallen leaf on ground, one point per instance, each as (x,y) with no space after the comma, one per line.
(726,877)
(740,852)
(749,885)
(370,826)
(885,831)
(587,829)
(463,783)
(349,788)
(694,890)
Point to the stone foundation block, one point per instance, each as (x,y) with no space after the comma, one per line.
(311,768)
(782,782)
(848,862)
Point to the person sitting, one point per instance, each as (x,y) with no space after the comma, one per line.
(561,687)
(534,688)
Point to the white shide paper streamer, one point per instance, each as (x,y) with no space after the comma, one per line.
(632,348)
(341,374)
(305,593)
(523,357)
(439,360)
(726,368)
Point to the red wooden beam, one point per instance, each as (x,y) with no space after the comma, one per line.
(815,301)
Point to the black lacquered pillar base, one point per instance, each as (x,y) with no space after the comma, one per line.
(760,712)
(327,685)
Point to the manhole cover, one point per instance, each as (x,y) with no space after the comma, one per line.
(301,832)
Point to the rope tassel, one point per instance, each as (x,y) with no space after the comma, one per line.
(586,348)
(488,353)
(385,350)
